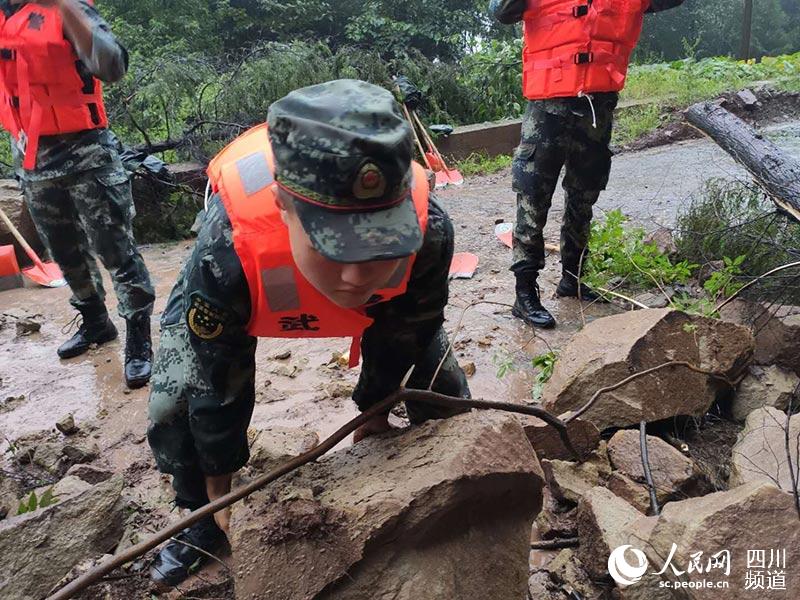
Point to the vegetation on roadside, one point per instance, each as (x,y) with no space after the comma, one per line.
(483,164)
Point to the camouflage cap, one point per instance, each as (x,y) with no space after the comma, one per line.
(343,151)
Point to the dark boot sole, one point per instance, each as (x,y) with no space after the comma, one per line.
(541,325)
(78,351)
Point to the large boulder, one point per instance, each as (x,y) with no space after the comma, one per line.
(603,519)
(568,481)
(547,443)
(611,349)
(753,517)
(674,475)
(14,206)
(776,331)
(764,386)
(760,453)
(37,549)
(443,510)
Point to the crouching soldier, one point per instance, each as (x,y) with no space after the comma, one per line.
(320,226)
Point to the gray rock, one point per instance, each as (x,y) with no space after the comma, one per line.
(37,549)
(763,387)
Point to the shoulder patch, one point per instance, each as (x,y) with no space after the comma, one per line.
(205,319)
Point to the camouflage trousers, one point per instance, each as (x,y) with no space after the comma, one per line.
(86,216)
(560,133)
(192,432)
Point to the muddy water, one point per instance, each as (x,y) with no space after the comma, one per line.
(305,390)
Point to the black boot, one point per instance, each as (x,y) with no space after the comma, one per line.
(138,352)
(175,561)
(96,328)
(528,306)
(568,288)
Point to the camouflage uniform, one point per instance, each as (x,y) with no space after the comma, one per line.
(79,196)
(202,391)
(559,132)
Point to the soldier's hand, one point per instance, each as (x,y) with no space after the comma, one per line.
(376,425)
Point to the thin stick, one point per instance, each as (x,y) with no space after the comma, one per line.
(556,544)
(623,297)
(756,280)
(648,475)
(402,395)
(627,380)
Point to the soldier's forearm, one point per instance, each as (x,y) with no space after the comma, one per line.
(96,47)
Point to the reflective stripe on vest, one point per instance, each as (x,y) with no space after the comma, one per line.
(283,302)
(574,47)
(41,90)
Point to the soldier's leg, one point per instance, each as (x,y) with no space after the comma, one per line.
(169,432)
(535,170)
(587,169)
(58,223)
(105,205)
(175,450)
(104,202)
(450,380)
(59,226)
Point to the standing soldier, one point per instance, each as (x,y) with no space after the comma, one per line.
(53,54)
(320,226)
(575,59)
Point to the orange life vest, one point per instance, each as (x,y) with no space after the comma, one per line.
(283,303)
(42,91)
(575,47)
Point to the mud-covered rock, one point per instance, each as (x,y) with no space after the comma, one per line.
(37,549)
(609,350)
(445,507)
(547,443)
(568,481)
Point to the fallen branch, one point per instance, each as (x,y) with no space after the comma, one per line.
(557,544)
(402,395)
(648,475)
(756,280)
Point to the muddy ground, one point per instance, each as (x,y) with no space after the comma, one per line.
(306,390)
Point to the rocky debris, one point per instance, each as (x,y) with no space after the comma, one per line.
(674,475)
(68,487)
(93,474)
(554,521)
(14,206)
(66,425)
(541,587)
(81,451)
(274,446)
(610,349)
(569,481)
(37,549)
(655,299)
(469,369)
(602,520)
(747,99)
(755,516)
(339,389)
(575,582)
(10,493)
(545,440)
(28,326)
(777,331)
(760,452)
(708,269)
(663,239)
(764,386)
(48,455)
(635,494)
(420,509)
